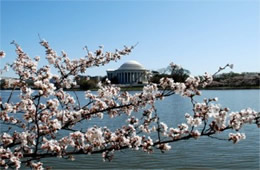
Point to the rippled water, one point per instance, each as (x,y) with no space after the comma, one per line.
(204,153)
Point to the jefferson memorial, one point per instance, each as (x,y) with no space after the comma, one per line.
(131,72)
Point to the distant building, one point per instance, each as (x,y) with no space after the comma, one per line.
(95,78)
(131,72)
(8,81)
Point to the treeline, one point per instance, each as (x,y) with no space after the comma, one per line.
(179,75)
(236,80)
(224,80)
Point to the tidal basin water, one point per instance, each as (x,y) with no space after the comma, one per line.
(203,153)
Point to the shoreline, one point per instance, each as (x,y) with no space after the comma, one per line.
(231,88)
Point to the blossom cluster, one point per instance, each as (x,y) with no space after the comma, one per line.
(189,88)
(7,155)
(236,137)
(2,54)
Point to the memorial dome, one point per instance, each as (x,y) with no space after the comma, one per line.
(131,65)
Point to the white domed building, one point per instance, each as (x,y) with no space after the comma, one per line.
(131,72)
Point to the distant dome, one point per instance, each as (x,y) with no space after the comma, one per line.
(131,65)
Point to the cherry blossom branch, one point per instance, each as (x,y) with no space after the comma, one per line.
(189,136)
(43,119)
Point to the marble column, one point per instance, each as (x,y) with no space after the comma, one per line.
(125,77)
(131,77)
(121,77)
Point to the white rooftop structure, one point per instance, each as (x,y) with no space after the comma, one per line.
(131,65)
(131,72)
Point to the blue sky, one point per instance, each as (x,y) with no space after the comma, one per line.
(199,35)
